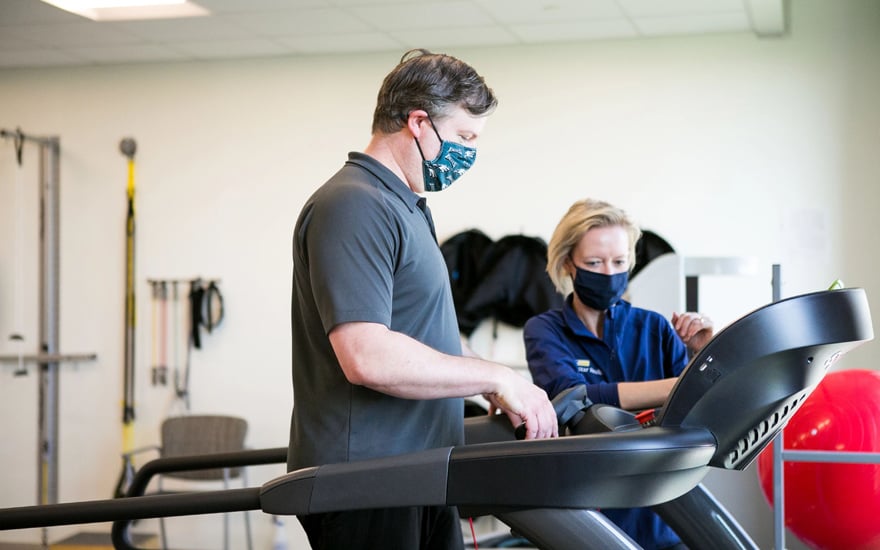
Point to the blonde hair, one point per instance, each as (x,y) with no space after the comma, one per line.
(580,218)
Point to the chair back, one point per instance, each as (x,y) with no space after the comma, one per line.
(200,435)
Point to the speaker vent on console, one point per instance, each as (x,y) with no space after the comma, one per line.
(758,437)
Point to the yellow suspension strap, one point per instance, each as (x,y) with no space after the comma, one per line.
(128,147)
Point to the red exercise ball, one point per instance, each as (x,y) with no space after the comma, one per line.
(832,505)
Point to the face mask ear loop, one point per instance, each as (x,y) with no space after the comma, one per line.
(422,154)
(434,128)
(419,147)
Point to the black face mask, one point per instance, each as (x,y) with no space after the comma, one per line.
(597,290)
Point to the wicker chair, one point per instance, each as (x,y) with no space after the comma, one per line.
(200,435)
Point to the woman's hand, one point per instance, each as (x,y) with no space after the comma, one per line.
(694,329)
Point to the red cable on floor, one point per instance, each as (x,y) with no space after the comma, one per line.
(473,533)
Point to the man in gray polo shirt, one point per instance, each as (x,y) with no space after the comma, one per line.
(378,368)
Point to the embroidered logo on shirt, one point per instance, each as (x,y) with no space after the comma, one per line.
(583,367)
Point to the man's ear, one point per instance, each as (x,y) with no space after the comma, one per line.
(414,122)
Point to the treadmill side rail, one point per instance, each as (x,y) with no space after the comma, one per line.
(415,479)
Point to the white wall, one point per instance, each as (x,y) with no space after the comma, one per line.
(726,145)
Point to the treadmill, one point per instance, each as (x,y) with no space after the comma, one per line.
(734,396)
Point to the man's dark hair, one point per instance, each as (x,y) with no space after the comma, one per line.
(431,82)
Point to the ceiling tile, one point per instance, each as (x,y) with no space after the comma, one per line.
(10,41)
(642,8)
(333,43)
(128,53)
(30,12)
(574,31)
(81,33)
(231,49)
(533,11)
(440,39)
(187,29)
(299,22)
(350,3)
(231,6)
(37,58)
(692,24)
(399,17)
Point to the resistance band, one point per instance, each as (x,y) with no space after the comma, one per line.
(175,326)
(17,335)
(128,147)
(154,331)
(159,334)
(161,376)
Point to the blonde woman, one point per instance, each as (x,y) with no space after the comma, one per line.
(627,357)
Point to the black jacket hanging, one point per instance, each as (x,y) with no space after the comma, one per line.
(506,280)
(465,254)
(649,246)
(514,285)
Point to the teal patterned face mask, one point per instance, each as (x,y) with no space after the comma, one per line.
(452,161)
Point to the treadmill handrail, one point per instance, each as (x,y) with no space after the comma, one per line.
(250,457)
(135,505)
(197,503)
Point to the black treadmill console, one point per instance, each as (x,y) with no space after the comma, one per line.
(745,384)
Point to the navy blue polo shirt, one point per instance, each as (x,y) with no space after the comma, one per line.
(637,345)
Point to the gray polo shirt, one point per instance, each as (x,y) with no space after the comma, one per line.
(363,250)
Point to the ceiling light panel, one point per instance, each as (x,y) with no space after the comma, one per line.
(122,10)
